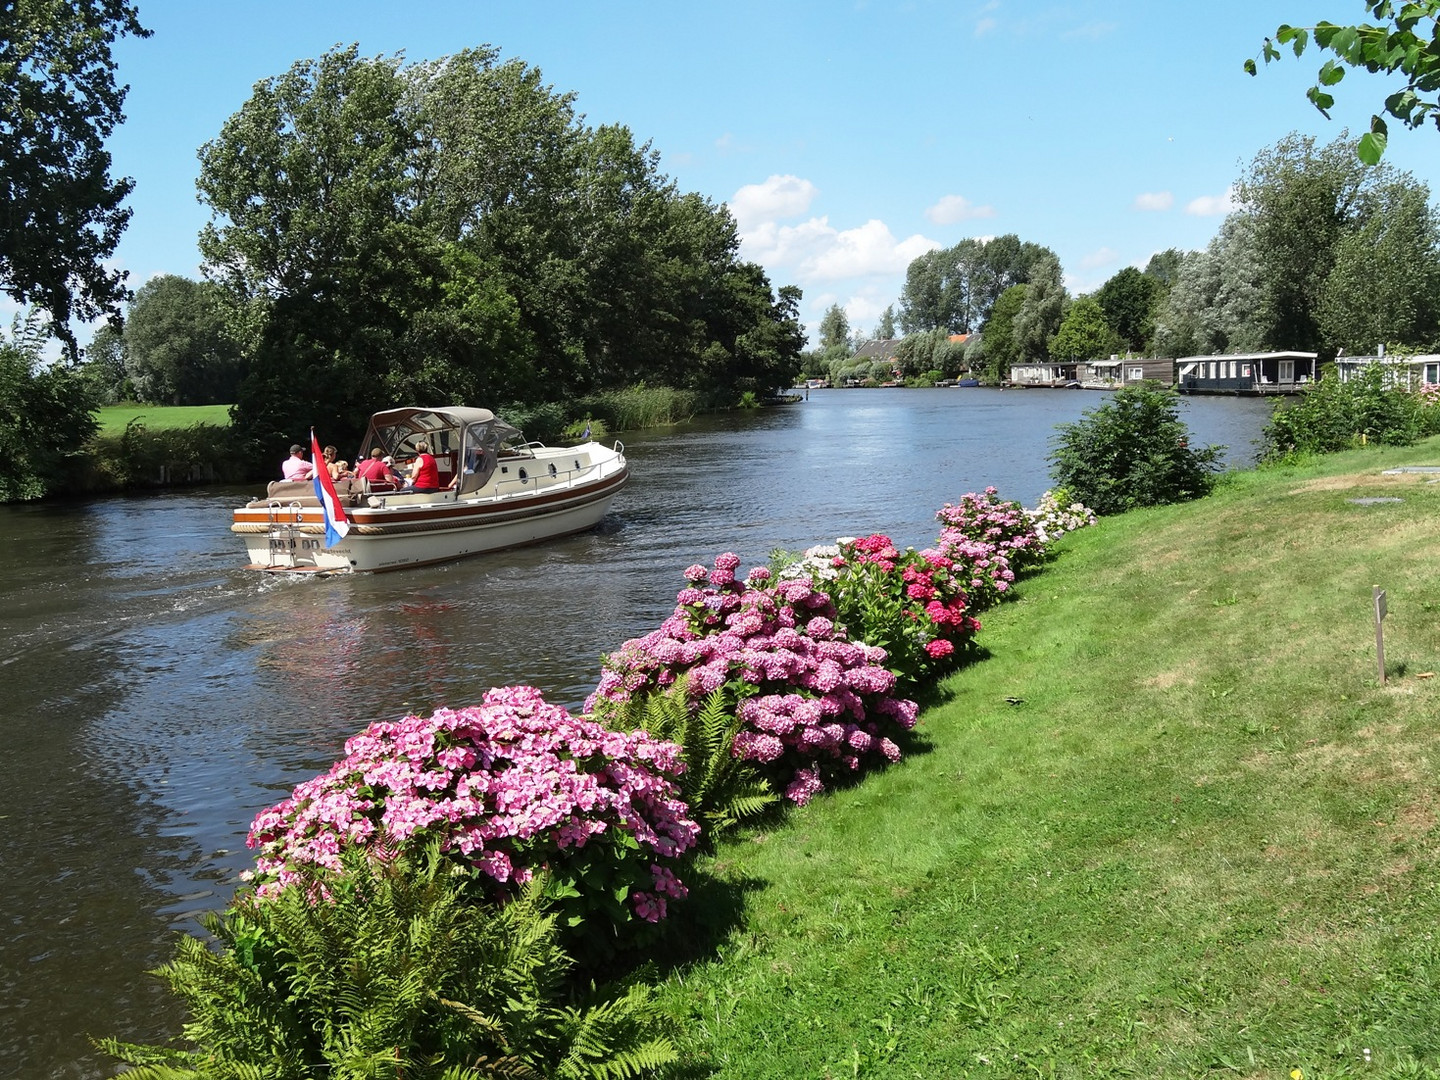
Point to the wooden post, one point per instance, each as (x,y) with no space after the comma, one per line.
(1379,597)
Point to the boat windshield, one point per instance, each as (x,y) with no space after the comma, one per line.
(462,440)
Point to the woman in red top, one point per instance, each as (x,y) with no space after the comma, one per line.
(424,475)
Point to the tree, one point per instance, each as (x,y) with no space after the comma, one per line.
(1385,284)
(1085,333)
(1394,45)
(1040,315)
(953,289)
(999,350)
(1164,267)
(1128,302)
(46,414)
(1303,201)
(452,230)
(834,328)
(178,345)
(1132,451)
(61,215)
(1215,303)
(885,328)
(104,366)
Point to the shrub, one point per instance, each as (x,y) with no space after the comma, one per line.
(394,973)
(1332,415)
(1057,513)
(1001,525)
(911,604)
(505,789)
(810,703)
(1133,451)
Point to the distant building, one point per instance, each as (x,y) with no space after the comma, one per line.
(878,349)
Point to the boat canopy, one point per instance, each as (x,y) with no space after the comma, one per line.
(461,434)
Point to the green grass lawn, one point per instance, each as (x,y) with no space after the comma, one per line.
(1201,840)
(114,418)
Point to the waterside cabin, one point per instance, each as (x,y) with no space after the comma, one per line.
(1038,374)
(1246,373)
(1116,372)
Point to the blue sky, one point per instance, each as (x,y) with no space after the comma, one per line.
(847,136)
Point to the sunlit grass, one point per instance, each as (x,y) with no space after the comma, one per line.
(114,418)
(1202,838)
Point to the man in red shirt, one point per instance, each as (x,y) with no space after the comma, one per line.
(376,472)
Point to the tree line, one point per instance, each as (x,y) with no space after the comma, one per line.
(1321,253)
(384,231)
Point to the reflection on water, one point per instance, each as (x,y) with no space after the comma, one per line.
(157,697)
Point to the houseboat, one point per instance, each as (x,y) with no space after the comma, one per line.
(1246,373)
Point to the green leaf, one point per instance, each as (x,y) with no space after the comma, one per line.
(1250,66)
(1321,100)
(1331,73)
(1371,147)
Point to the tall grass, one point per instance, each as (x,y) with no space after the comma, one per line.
(1172,825)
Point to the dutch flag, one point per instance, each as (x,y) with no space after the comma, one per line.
(336,525)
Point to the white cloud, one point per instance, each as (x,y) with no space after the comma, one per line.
(953,208)
(1153,200)
(777,197)
(1212,205)
(984,26)
(1104,257)
(819,252)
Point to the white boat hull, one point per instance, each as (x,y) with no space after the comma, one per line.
(394,531)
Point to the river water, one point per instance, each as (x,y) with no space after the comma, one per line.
(154,697)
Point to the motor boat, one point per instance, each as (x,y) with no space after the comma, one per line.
(497,491)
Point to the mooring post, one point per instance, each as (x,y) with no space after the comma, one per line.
(1379,596)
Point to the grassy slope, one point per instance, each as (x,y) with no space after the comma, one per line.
(113,418)
(1204,842)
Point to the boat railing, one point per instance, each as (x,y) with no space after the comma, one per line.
(559,478)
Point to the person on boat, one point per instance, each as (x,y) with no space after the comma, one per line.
(424,473)
(295,466)
(376,470)
(339,470)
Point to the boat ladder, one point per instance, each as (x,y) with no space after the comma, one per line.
(283,534)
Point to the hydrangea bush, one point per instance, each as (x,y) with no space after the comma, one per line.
(506,788)
(909,603)
(1058,514)
(811,702)
(1003,527)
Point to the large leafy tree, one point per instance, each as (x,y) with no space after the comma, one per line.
(834,328)
(1039,317)
(999,349)
(179,349)
(1085,333)
(1405,38)
(1214,306)
(954,289)
(61,213)
(451,230)
(1303,201)
(1128,302)
(1385,284)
